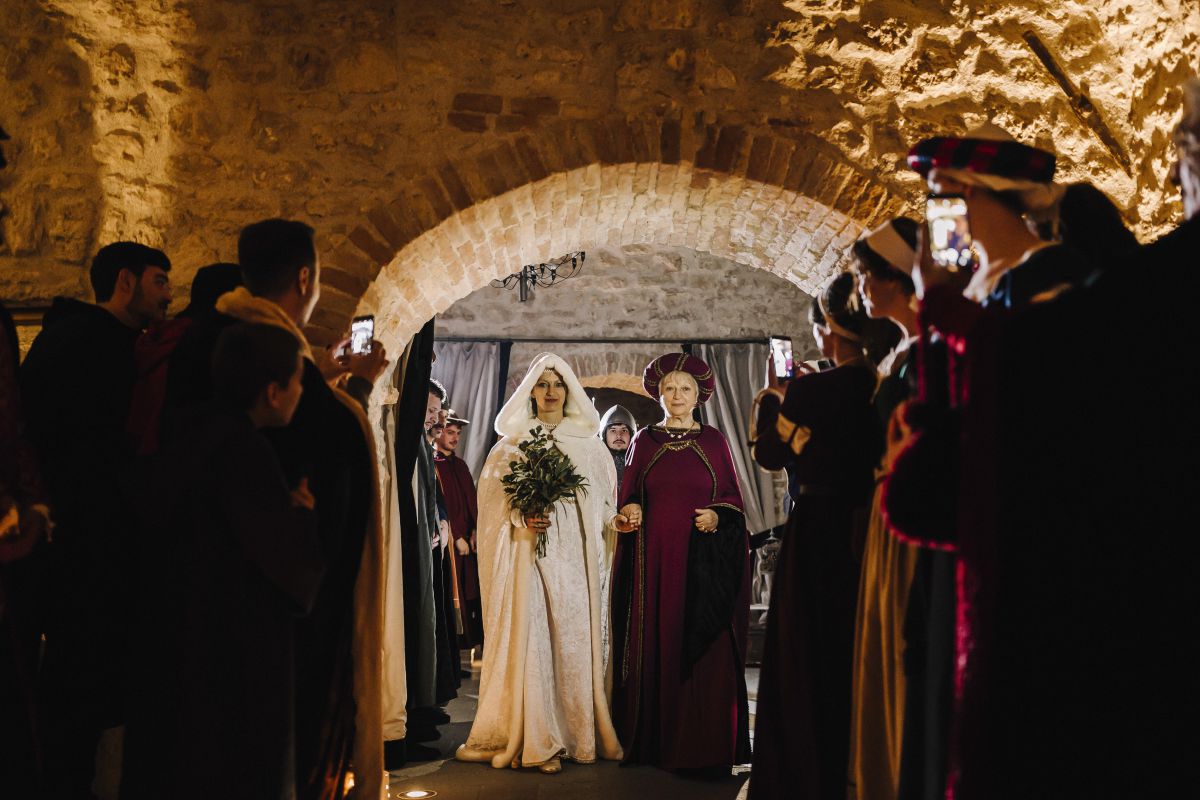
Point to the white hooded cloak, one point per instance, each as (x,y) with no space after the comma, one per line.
(544,690)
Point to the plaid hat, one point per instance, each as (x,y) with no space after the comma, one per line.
(660,367)
(988,157)
(987,150)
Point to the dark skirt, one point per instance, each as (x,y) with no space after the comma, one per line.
(802,727)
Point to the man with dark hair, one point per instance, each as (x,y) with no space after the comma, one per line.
(76,384)
(230,557)
(617,428)
(273,253)
(130,280)
(208,284)
(458,489)
(328,444)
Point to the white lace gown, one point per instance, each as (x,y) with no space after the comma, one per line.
(544,689)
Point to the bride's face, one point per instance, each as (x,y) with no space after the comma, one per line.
(549,393)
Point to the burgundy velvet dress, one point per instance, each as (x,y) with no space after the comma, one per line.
(681,606)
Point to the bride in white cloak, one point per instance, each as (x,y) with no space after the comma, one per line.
(544,690)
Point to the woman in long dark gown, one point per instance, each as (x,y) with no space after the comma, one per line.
(883,260)
(681,600)
(824,431)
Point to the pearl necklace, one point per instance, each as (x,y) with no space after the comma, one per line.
(677,433)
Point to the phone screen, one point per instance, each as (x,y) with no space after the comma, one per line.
(781,357)
(949,232)
(362,331)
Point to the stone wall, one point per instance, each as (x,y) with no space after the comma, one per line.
(383,123)
(50,194)
(635,292)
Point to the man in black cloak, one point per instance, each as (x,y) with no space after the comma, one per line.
(76,384)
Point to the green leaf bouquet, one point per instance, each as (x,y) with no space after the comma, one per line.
(540,478)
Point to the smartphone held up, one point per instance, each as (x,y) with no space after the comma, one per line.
(362,333)
(781,357)
(950,241)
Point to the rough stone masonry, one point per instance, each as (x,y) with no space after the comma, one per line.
(435,145)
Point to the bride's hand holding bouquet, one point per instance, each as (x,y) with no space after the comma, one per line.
(538,480)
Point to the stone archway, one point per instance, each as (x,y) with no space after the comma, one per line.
(780,204)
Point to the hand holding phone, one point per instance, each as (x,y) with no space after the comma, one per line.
(783,365)
(949,232)
(362,333)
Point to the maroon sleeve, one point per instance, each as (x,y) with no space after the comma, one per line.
(470,494)
(946,309)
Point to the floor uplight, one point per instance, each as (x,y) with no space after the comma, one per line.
(414,794)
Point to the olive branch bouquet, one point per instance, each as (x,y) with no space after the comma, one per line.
(543,476)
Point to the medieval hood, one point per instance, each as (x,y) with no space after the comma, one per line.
(580,418)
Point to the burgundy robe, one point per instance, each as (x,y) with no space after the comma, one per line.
(458,490)
(681,606)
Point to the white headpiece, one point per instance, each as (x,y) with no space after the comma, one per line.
(887,243)
(580,417)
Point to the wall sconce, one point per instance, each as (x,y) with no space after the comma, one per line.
(546,274)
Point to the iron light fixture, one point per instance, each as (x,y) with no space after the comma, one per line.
(545,274)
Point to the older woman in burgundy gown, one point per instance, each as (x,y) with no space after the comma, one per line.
(681,598)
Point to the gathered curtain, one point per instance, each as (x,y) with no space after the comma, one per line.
(740,372)
(470,371)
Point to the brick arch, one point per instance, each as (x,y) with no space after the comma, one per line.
(788,205)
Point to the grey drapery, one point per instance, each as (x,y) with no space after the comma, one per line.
(740,372)
(470,371)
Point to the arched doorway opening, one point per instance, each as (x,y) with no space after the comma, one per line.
(669,218)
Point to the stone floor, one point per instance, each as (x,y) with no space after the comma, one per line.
(453,780)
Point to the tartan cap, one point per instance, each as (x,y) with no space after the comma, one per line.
(988,151)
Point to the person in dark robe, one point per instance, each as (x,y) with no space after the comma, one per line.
(618,427)
(681,586)
(447,620)
(1006,185)
(24,522)
(823,429)
(154,348)
(458,489)
(329,443)
(883,261)
(430,634)
(1077,580)
(76,383)
(232,556)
